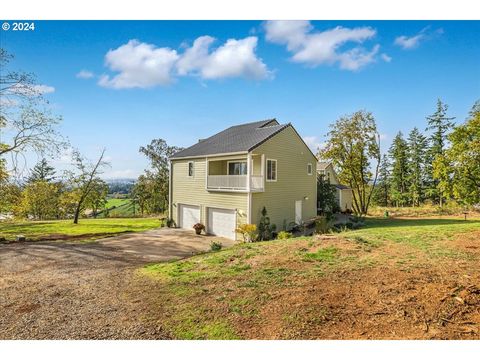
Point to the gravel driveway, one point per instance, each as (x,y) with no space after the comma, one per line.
(58,290)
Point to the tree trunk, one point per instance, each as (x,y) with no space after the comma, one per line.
(77,213)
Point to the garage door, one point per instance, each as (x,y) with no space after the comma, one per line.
(189,215)
(221,222)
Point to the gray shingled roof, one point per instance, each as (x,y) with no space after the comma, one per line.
(239,138)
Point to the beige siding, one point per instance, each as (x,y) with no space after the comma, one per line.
(191,191)
(293,183)
(346,199)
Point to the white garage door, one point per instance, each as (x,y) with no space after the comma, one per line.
(189,215)
(221,222)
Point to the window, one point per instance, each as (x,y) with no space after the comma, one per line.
(237,168)
(190,168)
(271,170)
(309,169)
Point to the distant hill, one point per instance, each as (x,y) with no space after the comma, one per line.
(120,186)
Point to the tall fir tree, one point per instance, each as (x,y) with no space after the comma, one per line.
(382,192)
(399,177)
(417,157)
(42,171)
(440,125)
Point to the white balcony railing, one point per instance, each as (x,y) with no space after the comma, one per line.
(234,182)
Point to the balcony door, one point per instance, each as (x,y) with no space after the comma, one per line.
(237,168)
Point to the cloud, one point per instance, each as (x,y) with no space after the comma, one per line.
(313,143)
(323,48)
(141,65)
(406,42)
(121,174)
(386,58)
(44,89)
(412,42)
(31,90)
(85,74)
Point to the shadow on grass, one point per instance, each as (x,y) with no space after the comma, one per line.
(378,222)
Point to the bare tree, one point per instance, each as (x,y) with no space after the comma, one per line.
(84,179)
(26,122)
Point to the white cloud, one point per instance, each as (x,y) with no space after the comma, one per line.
(140,65)
(144,65)
(6,102)
(386,58)
(313,143)
(235,58)
(121,174)
(406,42)
(85,74)
(323,48)
(412,42)
(31,90)
(44,89)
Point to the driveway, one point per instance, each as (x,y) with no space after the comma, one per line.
(67,290)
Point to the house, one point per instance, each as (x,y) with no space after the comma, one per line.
(344,194)
(226,180)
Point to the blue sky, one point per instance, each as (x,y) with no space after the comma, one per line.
(185,80)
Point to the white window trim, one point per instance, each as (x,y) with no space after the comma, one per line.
(193,169)
(310,166)
(266,170)
(235,161)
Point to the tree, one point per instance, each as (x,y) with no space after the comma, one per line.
(42,171)
(40,201)
(84,179)
(381,195)
(417,147)
(26,123)
(97,196)
(353,142)
(458,170)
(440,124)
(326,196)
(399,156)
(156,180)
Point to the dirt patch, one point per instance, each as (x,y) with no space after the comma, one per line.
(329,288)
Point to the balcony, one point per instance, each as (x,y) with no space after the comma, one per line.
(242,174)
(234,182)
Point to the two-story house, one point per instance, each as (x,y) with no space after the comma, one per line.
(343,193)
(227,179)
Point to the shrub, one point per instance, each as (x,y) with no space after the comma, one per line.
(321,225)
(248,231)
(215,246)
(284,235)
(265,229)
(199,227)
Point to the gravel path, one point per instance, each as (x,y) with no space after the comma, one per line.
(60,290)
(57,290)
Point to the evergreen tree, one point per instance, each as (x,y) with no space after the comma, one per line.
(382,192)
(440,124)
(42,171)
(399,178)
(417,149)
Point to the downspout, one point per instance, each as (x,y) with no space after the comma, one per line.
(170,216)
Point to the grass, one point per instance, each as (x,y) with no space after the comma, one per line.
(423,234)
(85,227)
(226,294)
(119,208)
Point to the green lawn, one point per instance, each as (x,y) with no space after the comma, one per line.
(120,208)
(234,292)
(94,227)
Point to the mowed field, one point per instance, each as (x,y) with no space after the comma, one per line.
(65,229)
(393,279)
